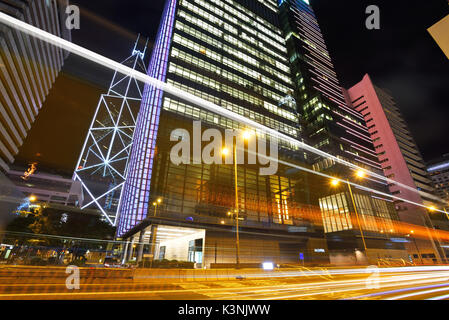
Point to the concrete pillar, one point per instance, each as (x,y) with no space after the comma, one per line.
(140,246)
(153,241)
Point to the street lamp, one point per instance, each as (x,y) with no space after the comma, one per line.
(246,135)
(361,174)
(32,198)
(156,204)
(335,182)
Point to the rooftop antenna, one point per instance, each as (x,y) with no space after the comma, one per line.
(136,51)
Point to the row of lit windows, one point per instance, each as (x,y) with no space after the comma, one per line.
(336,216)
(335,213)
(234,14)
(196,113)
(202,64)
(368,212)
(257,53)
(252,15)
(213,19)
(259,118)
(252,40)
(226,74)
(271,4)
(237,53)
(220,87)
(268,122)
(230,63)
(208,82)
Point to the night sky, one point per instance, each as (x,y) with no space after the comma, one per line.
(401,57)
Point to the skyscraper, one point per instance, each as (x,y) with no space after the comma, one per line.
(330,124)
(103,164)
(223,53)
(234,53)
(399,156)
(28,69)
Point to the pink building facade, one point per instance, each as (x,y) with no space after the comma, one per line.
(401,161)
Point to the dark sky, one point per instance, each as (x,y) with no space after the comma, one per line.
(401,57)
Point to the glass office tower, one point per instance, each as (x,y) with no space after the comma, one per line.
(234,53)
(225,54)
(330,125)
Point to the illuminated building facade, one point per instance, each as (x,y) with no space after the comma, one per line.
(223,53)
(330,124)
(234,53)
(26,82)
(400,159)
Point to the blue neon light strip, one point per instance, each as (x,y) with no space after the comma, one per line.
(136,196)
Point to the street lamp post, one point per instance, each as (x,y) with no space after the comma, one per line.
(236,207)
(156,204)
(154,230)
(357,216)
(360,174)
(246,136)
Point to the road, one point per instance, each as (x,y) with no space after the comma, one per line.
(409,283)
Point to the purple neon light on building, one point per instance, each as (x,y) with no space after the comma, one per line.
(136,195)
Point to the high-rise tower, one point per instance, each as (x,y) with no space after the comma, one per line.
(401,160)
(330,124)
(103,164)
(231,53)
(29,68)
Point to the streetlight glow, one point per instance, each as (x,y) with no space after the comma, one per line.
(335,182)
(360,173)
(432,208)
(247,134)
(32,198)
(225,151)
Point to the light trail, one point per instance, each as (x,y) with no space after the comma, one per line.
(440,297)
(361,285)
(424,280)
(342,180)
(115,66)
(358,285)
(420,293)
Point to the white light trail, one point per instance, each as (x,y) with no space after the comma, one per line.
(113,65)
